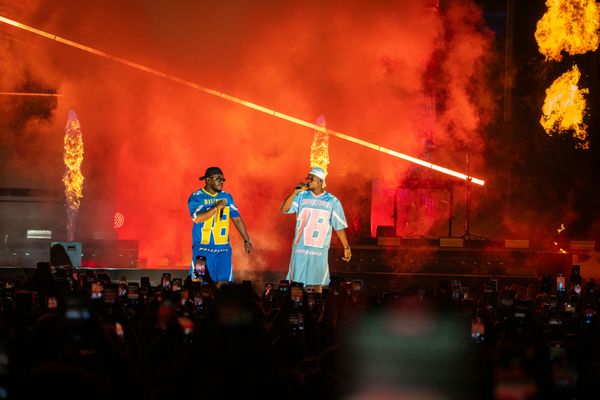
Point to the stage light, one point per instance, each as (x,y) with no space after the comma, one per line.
(39,234)
(119,221)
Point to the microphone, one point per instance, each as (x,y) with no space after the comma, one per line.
(220,212)
(301,186)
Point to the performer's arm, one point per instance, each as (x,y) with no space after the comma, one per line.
(347,251)
(241,228)
(287,203)
(203,216)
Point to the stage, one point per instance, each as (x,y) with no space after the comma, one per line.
(391,263)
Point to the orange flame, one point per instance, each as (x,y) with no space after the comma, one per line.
(565,107)
(73,157)
(319,149)
(569,25)
(558,231)
(73,178)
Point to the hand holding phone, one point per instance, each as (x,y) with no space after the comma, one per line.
(200,267)
(297,294)
(560,283)
(177,284)
(268,289)
(284,286)
(96,290)
(166,280)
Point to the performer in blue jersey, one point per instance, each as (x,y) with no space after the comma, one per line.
(211,209)
(317,213)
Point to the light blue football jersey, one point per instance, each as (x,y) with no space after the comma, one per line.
(316,216)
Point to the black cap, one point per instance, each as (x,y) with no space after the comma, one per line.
(210,171)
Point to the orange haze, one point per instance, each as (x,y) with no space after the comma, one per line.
(373,69)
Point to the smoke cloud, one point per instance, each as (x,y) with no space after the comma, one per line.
(406,75)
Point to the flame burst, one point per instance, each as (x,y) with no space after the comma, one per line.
(559,230)
(319,149)
(564,108)
(569,25)
(72,178)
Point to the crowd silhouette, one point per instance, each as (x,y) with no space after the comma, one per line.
(70,333)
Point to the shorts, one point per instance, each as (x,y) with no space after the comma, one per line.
(218,263)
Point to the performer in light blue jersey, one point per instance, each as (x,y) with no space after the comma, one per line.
(317,213)
(211,209)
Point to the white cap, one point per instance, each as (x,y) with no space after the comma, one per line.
(319,173)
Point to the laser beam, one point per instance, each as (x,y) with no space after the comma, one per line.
(30,94)
(245,103)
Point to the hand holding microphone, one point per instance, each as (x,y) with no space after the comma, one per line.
(287,203)
(301,187)
(219,205)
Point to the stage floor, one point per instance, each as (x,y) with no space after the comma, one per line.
(383,281)
(394,266)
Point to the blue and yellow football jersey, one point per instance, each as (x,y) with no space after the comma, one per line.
(214,232)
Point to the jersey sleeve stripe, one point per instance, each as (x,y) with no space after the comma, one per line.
(196,212)
(341,221)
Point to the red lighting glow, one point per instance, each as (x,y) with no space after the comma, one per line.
(245,103)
